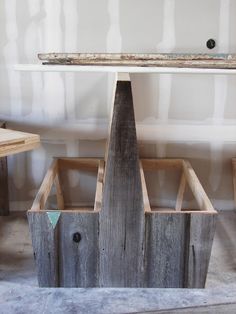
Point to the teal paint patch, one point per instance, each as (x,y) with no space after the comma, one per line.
(53,217)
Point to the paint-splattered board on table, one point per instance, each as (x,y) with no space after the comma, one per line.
(221,61)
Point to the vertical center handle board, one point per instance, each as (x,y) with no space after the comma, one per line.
(121,220)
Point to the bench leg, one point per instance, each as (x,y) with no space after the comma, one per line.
(4,200)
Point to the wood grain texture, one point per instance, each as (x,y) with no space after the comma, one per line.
(4,194)
(135,56)
(225,61)
(45,188)
(178,249)
(166,236)
(200,195)
(202,229)
(180,195)
(121,235)
(59,193)
(79,261)
(45,246)
(12,142)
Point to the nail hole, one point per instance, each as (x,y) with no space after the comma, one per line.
(76,237)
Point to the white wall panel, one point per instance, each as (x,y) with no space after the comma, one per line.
(79,103)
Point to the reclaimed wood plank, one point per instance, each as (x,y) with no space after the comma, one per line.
(59,193)
(45,188)
(161,164)
(121,235)
(200,195)
(160,60)
(147,207)
(165,254)
(202,229)
(135,56)
(85,164)
(178,249)
(180,195)
(45,245)
(99,186)
(4,194)
(79,260)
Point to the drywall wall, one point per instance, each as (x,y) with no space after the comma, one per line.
(177,115)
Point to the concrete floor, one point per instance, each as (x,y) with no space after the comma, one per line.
(19,292)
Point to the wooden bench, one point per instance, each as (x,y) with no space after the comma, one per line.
(11,142)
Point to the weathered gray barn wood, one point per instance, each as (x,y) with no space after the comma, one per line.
(63,260)
(224,61)
(65,242)
(121,233)
(45,245)
(165,249)
(178,248)
(122,241)
(78,260)
(201,234)
(4,198)
(179,241)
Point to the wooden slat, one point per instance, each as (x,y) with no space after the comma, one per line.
(45,188)
(147,207)
(12,142)
(135,56)
(197,189)
(99,187)
(4,195)
(180,196)
(79,261)
(83,164)
(166,236)
(45,247)
(178,249)
(201,234)
(77,209)
(159,60)
(59,192)
(156,164)
(121,234)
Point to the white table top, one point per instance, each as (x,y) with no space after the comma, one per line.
(118,69)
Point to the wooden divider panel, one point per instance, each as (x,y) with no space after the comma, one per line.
(121,233)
